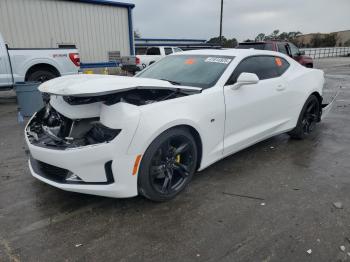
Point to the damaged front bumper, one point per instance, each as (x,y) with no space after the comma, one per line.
(80,162)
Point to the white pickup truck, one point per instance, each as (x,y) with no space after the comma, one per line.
(153,54)
(38,64)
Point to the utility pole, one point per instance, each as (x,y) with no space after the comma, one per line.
(222,7)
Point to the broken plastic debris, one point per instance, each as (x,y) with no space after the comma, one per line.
(309,251)
(342,248)
(272,147)
(263,204)
(198,255)
(338,205)
(20,118)
(78,245)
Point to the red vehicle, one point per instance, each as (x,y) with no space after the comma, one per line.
(280,46)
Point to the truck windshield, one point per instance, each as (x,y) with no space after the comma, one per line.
(190,70)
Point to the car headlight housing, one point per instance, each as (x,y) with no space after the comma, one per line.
(100,133)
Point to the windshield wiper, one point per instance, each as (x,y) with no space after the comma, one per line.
(172,82)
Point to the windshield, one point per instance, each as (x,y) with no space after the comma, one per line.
(190,70)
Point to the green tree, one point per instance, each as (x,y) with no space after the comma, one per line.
(316,40)
(228,43)
(260,37)
(330,40)
(273,35)
(327,40)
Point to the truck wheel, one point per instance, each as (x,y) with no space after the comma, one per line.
(41,76)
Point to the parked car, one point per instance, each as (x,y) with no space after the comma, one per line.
(153,54)
(122,136)
(35,64)
(281,46)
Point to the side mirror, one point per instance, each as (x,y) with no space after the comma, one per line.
(245,79)
(301,53)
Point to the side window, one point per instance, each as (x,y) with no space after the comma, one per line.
(268,46)
(265,67)
(153,51)
(282,65)
(282,47)
(176,50)
(168,50)
(293,50)
(140,50)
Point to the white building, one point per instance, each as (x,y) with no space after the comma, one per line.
(94,26)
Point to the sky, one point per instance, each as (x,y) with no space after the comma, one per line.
(242,19)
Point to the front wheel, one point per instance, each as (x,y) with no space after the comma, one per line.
(309,116)
(168,165)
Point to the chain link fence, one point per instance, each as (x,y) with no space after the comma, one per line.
(326,52)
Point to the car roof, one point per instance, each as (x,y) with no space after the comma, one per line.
(239,54)
(231,52)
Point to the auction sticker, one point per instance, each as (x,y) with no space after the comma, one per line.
(220,60)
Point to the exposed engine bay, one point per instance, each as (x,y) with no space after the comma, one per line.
(50,128)
(136,97)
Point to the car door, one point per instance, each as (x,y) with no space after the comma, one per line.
(5,70)
(256,111)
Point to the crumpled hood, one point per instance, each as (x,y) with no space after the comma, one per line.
(93,85)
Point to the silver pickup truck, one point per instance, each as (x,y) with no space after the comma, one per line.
(38,64)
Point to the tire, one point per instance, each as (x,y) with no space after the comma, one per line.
(309,116)
(171,157)
(41,76)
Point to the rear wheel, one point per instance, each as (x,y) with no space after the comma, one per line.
(309,116)
(41,76)
(168,165)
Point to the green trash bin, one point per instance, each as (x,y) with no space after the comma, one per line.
(29,98)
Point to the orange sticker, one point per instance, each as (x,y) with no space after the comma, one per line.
(278,61)
(190,61)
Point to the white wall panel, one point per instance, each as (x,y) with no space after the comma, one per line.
(95,29)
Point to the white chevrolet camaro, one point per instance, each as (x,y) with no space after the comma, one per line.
(123,136)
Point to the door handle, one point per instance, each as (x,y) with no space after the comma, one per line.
(280,88)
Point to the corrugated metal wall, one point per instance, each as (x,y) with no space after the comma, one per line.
(95,29)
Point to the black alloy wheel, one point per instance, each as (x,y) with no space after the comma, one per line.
(309,117)
(168,165)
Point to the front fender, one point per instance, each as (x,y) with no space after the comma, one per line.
(147,133)
(205,112)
